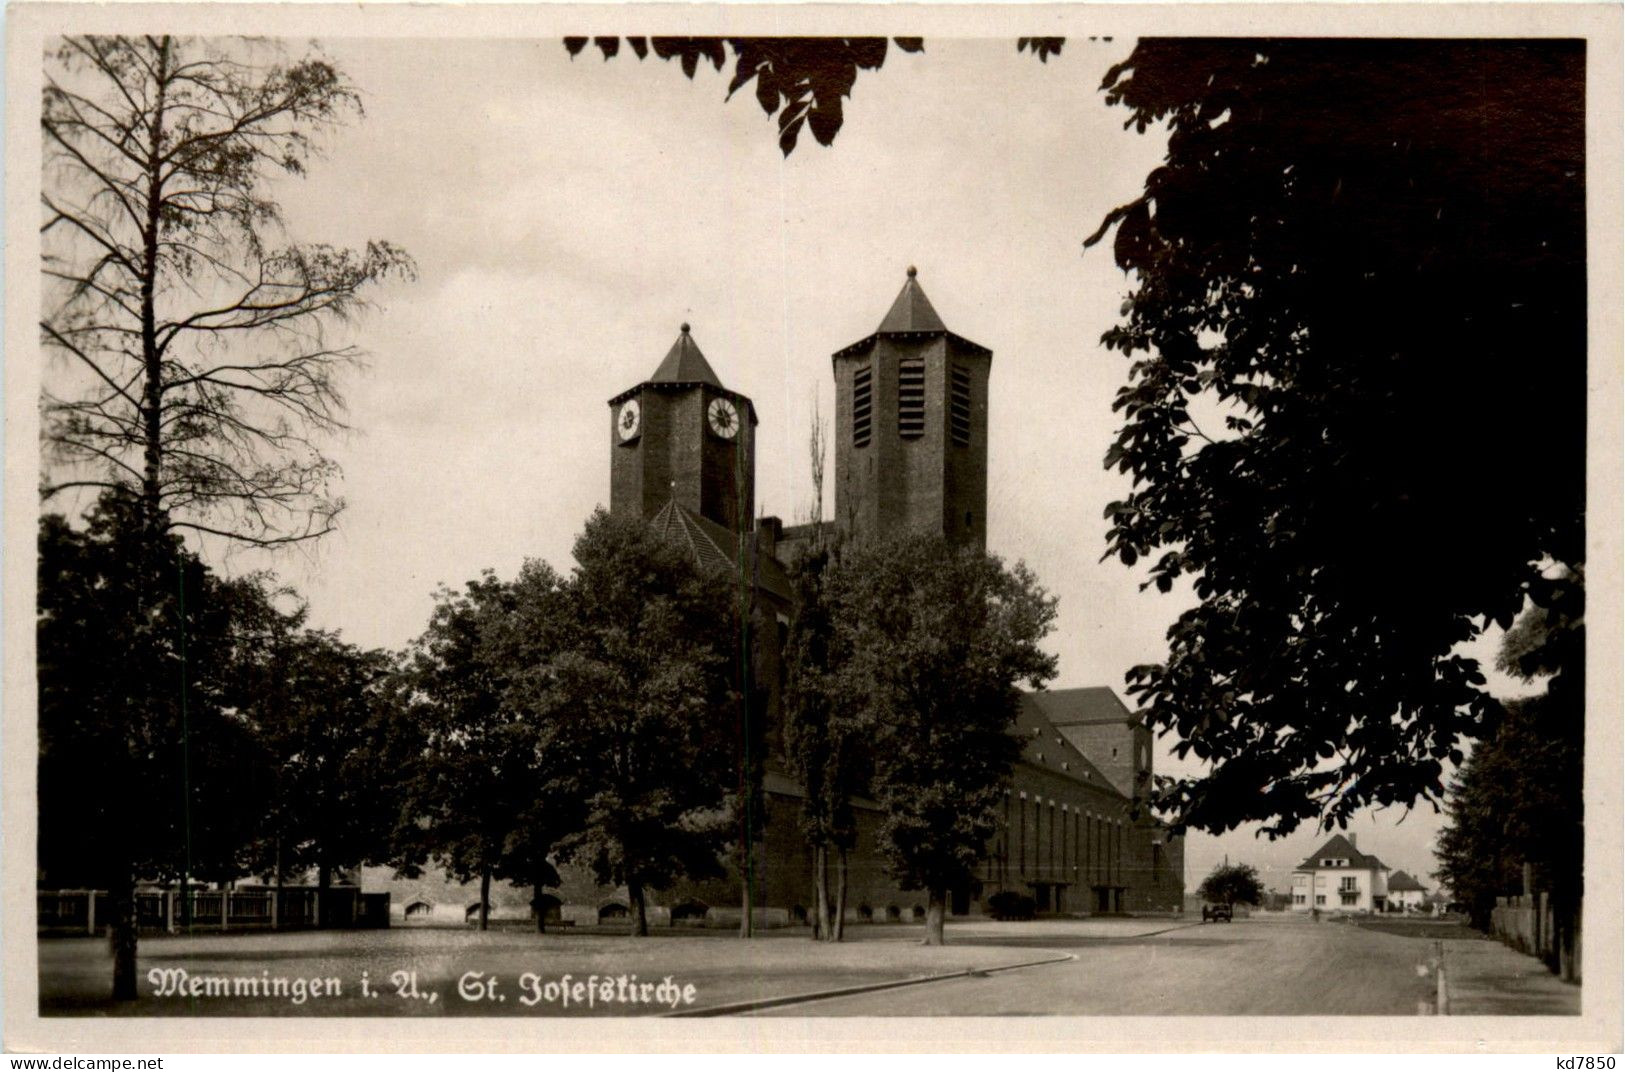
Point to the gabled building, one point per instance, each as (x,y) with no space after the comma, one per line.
(1338,877)
(1404,892)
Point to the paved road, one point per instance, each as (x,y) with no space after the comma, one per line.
(1265,966)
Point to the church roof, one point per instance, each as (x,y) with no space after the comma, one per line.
(1044,745)
(912,316)
(912,310)
(713,547)
(1094,706)
(685,364)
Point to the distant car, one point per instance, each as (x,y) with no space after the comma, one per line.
(1216,913)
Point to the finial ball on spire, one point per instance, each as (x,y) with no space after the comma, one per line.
(685,327)
(913,271)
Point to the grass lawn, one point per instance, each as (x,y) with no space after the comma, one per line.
(417,971)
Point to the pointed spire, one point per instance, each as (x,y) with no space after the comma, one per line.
(912,310)
(911,317)
(685,364)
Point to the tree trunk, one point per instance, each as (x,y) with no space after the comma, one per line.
(485,899)
(640,918)
(324,879)
(745,922)
(838,929)
(152,386)
(820,920)
(934,907)
(281,900)
(121,931)
(537,904)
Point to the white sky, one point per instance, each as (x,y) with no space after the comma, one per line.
(567,216)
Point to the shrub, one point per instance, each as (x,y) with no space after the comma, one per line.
(1009,904)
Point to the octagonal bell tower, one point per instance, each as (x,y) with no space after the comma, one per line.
(682,436)
(911,427)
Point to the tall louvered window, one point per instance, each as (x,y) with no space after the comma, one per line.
(862,402)
(911,397)
(959,406)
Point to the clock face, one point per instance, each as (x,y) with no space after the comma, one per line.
(724,418)
(630,420)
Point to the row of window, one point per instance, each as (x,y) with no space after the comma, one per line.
(911,402)
(1346,882)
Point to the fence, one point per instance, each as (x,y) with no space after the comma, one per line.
(1528,924)
(63,912)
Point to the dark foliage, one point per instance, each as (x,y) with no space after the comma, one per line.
(1042,47)
(163,774)
(802,80)
(472,787)
(1009,904)
(1232,884)
(641,691)
(935,642)
(824,733)
(1518,800)
(320,713)
(1355,417)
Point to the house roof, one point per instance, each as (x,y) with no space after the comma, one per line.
(684,364)
(911,316)
(1401,882)
(1341,848)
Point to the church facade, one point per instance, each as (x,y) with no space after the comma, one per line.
(911,440)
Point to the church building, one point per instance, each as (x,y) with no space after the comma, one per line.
(911,442)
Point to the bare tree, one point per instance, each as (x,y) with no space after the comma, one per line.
(817,447)
(195,366)
(203,362)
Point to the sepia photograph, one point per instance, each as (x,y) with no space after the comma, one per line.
(738,521)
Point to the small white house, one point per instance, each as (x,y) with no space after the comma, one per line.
(1405,893)
(1338,877)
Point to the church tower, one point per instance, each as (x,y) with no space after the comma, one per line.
(911,426)
(680,436)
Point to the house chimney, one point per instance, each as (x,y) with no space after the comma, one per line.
(770,529)
(1354,841)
